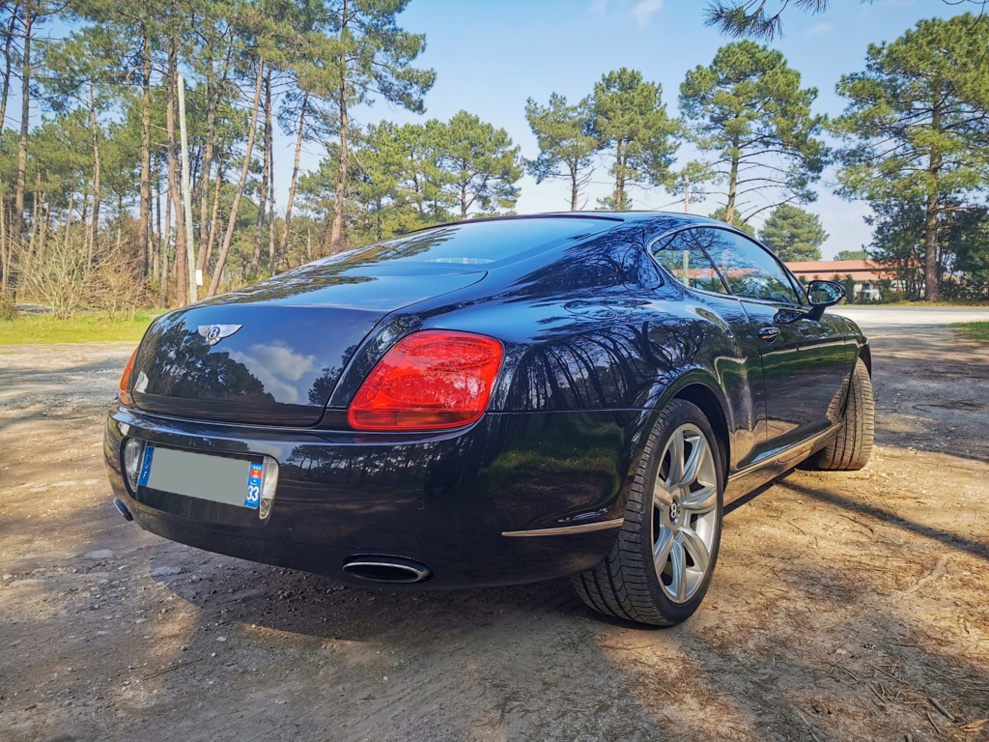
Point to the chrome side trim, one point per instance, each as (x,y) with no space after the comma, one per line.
(783,454)
(567,530)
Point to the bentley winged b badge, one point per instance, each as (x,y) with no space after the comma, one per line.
(216,333)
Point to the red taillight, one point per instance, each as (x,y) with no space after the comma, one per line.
(430,380)
(123,389)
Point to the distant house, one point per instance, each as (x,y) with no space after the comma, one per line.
(864,273)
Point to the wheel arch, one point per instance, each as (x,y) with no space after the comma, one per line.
(865,353)
(708,402)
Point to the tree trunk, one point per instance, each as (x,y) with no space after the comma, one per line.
(205,225)
(181,266)
(732,184)
(265,176)
(932,276)
(337,230)
(4,254)
(120,224)
(283,242)
(574,190)
(208,219)
(155,208)
(95,129)
(144,226)
(619,194)
(17,222)
(7,66)
(206,252)
(165,236)
(932,283)
(44,216)
(68,221)
(245,170)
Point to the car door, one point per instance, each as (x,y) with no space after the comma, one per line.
(804,360)
(683,254)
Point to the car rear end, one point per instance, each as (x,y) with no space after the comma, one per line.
(309,423)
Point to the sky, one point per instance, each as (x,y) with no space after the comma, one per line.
(489,57)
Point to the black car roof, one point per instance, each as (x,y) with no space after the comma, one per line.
(612,216)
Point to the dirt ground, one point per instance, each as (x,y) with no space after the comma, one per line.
(845,606)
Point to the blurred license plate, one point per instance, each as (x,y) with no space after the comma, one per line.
(214,478)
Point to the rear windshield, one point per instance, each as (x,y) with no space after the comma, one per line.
(478,243)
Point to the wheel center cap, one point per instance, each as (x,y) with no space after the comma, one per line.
(675,511)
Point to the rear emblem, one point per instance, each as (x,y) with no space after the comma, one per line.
(216,333)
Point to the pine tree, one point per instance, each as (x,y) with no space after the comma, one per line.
(566,144)
(793,234)
(917,123)
(629,119)
(747,112)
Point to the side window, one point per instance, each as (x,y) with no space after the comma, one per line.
(684,257)
(750,270)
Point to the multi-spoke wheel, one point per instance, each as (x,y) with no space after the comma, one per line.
(661,566)
(685,513)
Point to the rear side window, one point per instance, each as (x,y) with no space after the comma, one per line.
(749,269)
(684,256)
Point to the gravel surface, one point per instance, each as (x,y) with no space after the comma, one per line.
(845,605)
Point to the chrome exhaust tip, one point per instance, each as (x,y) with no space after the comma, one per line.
(385,569)
(122,509)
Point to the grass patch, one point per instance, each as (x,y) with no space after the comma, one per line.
(33,329)
(977,331)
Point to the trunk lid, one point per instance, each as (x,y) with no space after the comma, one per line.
(272,354)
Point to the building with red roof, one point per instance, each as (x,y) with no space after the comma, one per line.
(865,273)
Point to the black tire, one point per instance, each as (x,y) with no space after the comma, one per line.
(851,446)
(684,517)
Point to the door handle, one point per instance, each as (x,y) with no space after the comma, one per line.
(769,334)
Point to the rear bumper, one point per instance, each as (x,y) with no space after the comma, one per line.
(444,501)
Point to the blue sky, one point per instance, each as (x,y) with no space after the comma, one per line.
(490,57)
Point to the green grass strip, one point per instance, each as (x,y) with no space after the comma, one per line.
(32,329)
(977,331)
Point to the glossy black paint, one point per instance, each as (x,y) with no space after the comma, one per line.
(598,337)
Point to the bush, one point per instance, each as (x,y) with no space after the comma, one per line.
(8,309)
(68,275)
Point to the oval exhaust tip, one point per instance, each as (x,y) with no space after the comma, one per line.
(122,509)
(389,570)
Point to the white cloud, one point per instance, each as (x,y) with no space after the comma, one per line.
(820,29)
(276,367)
(644,10)
(598,6)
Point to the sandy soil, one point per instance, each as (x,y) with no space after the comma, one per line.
(845,606)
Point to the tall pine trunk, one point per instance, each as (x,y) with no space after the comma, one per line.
(8,61)
(97,169)
(574,188)
(207,225)
(932,276)
(732,184)
(206,252)
(17,222)
(283,242)
(165,235)
(221,258)
(259,230)
(181,267)
(144,227)
(336,231)
(619,197)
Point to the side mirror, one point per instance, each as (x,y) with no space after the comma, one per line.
(823,294)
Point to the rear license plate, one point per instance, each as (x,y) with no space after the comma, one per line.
(215,478)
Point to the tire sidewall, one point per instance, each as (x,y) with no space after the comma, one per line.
(677,413)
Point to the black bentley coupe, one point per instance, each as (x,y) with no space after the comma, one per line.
(494,401)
